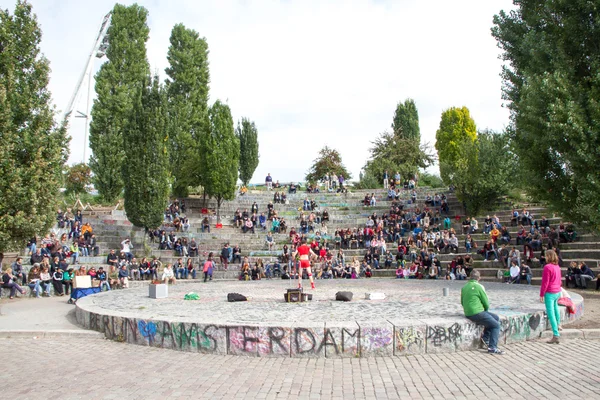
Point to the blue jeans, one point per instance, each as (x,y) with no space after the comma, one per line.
(182,273)
(192,273)
(36,288)
(104,283)
(47,286)
(487,253)
(491,324)
(468,246)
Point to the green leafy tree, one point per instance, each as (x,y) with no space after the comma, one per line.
(484,170)
(248,137)
(406,121)
(146,165)
(187,90)
(33,149)
(431,180)
(395,153)
(77,178)
(220,156)
(456,128)
(117,83)
(551,84)
(328,161)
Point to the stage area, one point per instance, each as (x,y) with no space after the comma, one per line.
(414,318)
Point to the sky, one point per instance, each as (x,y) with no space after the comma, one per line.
(309,73)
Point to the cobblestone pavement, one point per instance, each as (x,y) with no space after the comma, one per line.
(77,368)
(266,303)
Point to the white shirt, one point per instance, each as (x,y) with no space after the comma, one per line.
(515,271)
(167,273)
(126,246)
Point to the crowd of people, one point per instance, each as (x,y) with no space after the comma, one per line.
(408,238)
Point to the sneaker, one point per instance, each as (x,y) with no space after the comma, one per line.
(496,260)
(495,351)
(486,260)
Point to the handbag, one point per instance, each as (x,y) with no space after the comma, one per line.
(567,302)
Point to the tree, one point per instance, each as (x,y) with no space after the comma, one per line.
(146,165)
(187,91)
(33,147)
(248,137)
(406,121)
(220,156)
(456,128)
(117,83)
(328,161)
(77,178)
(551,84)
(484,170)
(395,153)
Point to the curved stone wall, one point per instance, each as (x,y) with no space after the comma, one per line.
(413,319)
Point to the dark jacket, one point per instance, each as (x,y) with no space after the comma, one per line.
(585,270)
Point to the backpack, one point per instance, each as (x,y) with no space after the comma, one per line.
(343,296)
(231,297)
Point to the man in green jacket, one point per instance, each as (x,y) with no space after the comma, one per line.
(476,305)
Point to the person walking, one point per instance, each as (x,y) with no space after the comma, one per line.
(208,268)
(550,293)
(476,305)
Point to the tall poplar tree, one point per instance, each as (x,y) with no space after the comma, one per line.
(33,149)
(220,155)
(248,137)
(187,90)
(456,128)
(145,168)
(117,83)
(406,121)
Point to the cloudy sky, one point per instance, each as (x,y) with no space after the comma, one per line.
(309,73)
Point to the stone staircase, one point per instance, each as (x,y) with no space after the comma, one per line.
(345,210)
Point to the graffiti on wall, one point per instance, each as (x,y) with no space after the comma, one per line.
(326,341)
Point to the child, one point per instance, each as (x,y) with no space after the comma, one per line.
(399,272)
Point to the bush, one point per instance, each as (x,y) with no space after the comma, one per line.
(431,180)
(367,181)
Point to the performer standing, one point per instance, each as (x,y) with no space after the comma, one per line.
(305,255)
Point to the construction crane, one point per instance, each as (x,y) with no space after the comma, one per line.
(98,51)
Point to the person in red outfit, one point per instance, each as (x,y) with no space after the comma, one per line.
(305,254)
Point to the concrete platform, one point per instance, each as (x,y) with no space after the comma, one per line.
(414,318)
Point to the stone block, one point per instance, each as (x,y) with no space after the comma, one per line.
(449,335)
(341,339)
(376,339)
(243,340)
(307,341)
(274,341)
(520,327)
(212,339)
(591,333)
(409,338)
